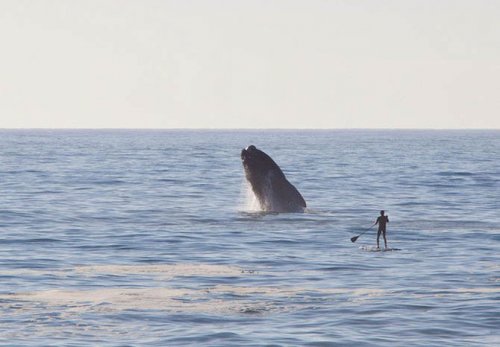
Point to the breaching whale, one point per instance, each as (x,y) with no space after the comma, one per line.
(269,184)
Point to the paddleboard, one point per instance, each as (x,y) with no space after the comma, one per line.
(375,249)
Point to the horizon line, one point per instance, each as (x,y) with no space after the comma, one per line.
(249,129)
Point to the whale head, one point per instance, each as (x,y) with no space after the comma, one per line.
(269,184)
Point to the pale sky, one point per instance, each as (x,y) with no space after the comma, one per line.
(250,64)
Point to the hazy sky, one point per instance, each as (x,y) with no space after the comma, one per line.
(250,64)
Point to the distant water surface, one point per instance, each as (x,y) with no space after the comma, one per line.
(115,238)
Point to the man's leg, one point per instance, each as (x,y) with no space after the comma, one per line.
(385,240)
(378,237)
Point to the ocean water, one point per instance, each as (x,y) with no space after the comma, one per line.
(150,238)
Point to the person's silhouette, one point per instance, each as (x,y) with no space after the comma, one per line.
(382,227)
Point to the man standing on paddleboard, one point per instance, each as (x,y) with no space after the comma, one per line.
(382,224)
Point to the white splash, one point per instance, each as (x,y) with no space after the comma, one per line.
(250,201)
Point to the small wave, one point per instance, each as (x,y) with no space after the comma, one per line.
(110,182)
(33,240)
(455,173)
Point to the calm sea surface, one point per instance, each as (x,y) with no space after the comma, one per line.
(148,238)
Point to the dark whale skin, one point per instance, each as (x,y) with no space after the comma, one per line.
(269,184)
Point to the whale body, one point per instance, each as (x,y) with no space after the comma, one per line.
(269,184)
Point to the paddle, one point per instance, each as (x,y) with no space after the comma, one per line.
(355,238)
